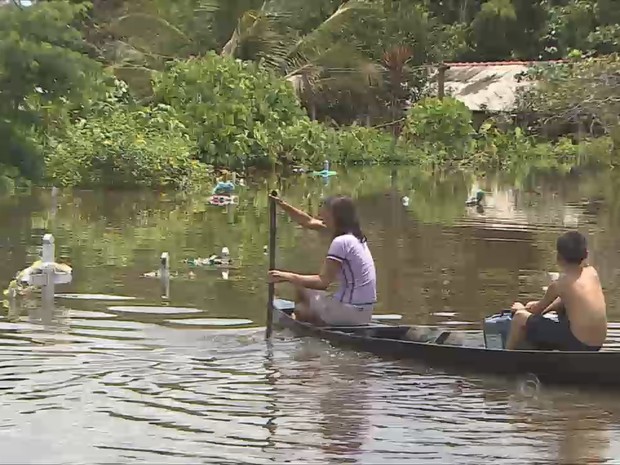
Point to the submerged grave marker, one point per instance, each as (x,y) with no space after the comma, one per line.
(46,274)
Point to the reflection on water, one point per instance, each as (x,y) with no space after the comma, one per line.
(138,378)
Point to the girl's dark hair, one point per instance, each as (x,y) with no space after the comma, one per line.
(345,216)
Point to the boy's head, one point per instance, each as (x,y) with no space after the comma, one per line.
(571,248)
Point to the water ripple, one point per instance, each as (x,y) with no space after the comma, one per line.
(135,384)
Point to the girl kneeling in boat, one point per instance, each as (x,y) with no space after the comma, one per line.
(348,261)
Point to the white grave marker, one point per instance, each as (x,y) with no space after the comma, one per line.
(48,276)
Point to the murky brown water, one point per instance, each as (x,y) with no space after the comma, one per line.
(110,385)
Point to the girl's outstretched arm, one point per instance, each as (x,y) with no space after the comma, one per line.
(300,217)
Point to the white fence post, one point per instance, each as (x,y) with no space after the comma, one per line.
(13,307)
(164,274)
(47,256)
(48,288)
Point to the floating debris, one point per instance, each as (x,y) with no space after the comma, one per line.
(164,268)
(475,200)
(405,201)
(87,314)
(16,326)
(156,274)
(445,314)
(223,200)
(390,317)
(223,188)
(154,310)
(94,297)
(325,172)
(211,322)
(30,274)
(457,323)
(222,261)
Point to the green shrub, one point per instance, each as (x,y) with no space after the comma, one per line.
(363,145)
(440,127)
(123,146)
(20,148)
(308,142)
(236,112)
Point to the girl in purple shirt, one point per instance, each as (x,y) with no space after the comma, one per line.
(348,261)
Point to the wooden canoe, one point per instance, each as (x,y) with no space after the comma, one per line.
(440,349)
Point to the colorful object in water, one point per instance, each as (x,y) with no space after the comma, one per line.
(476,200)
(225,187)
(223,200)
(223,260)
(325,172)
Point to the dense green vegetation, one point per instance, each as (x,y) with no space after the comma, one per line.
(156,93)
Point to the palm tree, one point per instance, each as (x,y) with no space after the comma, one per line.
(318,64)
(395,62)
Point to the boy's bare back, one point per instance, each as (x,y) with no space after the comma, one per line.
(582,295)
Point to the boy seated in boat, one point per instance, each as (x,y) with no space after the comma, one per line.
(577,297)
(348,261)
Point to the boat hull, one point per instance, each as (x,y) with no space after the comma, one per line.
(579,368)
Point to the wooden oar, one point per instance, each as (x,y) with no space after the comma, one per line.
(272,262)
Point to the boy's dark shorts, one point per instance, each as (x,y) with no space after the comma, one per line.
(549,334)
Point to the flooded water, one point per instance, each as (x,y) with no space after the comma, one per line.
(127,376)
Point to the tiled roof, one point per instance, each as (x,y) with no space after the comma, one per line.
(502,63)
(487,86)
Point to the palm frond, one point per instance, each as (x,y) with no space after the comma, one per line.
(267,31)
(260,35)
(151,33)
(316,64)
(334,69)
(397,58)
(208,6)
(333,23)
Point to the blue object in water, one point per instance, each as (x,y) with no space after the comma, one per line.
(496,328)
(224,188)
(325,172)
(475,200)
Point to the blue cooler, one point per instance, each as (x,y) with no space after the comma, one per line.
(496,328)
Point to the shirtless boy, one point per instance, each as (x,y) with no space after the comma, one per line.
(576,296)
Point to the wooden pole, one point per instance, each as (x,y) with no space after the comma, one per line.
(272,262)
